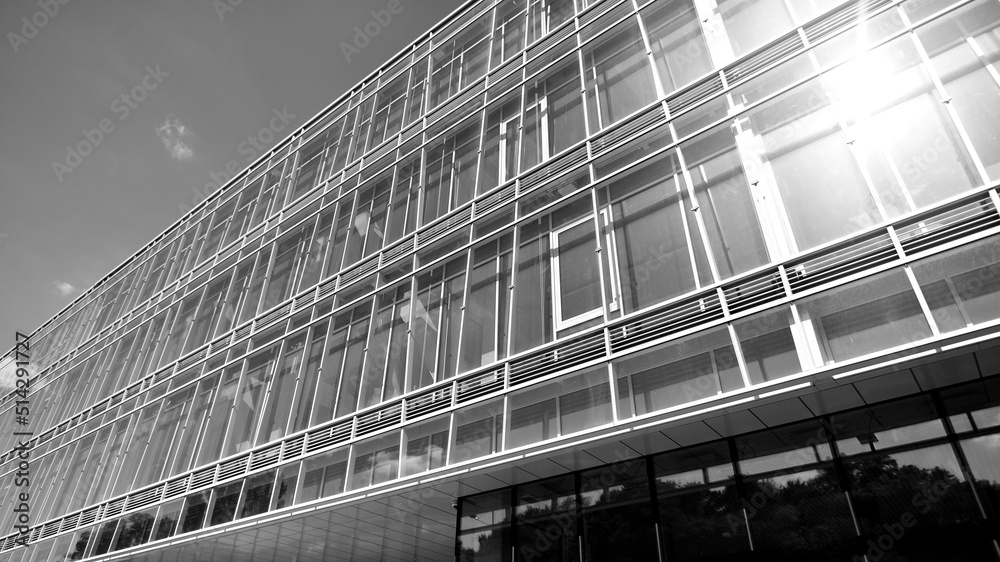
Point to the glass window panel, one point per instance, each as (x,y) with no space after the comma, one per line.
(350,379)
(248,400)
(656,244)
(279,399)
(162,439)
(725,201)
(962,286)
(135,529)
(902,133)
(678,43)
(566,405)
(768,346)
(195,508)
(324,475)
(577,273)
(952,43)
(508,34)
(800,516)
(618,79)
(257,495)
(820,186)
(548,508)
(375,461)
(982,454)
(674,373)
(284,492)
(450,171)
(329,376)
(532,293)
(426,446)
(784,448)
(753,23)
(224,503)
(484,329)
(460,61)
(865,316)
(484,527)
(553,114)
(167,519)
(617,514)
(306,391)
(478,431)
(701,514)
(105,537)
(882,427)
(923,492)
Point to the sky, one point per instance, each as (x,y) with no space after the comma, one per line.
(168,94)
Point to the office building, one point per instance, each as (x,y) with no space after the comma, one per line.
(565,280)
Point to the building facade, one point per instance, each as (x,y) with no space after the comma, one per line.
(564,280)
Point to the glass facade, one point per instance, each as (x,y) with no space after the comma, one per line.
(543,220)
(910,479)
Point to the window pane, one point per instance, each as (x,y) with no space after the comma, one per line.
(700,512)
(578,272)
(678,44)
(257,496)
(195,507)
(619,80)
(566,405)
(478,431)
(547,508)
(484,528)
(952,42)
(864,317)
(725,201)
(678,372)
(768,346)
(657,245)
(752,23)
(375,461)
(618,522)
(902,133)
(324,475)
(426,446)
(224,504)
(924,493)
(821,187)
(962,286)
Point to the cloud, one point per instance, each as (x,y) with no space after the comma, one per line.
(64,288)
(172,132)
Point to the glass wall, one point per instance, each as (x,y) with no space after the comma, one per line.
(373,203)
(903,480)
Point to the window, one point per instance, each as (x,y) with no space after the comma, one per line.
(652,239)
(576,273)
(618,78)
(964,47)
(279,399)
(257,494)
(385,363)
(903,135)
(324,475)
(545,16)
(508,35)
(678,372)
(753,23)
(249,398)
(375,461)
(961,286)
(460,61)
(426,446)
(678,43)
(553,115)
(388,111)
(478,431)
(500,150)
(450,170)
(487,307)
(768,345)
(436,323)
(564,406)
(863,317)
